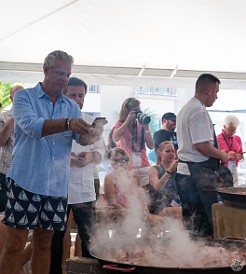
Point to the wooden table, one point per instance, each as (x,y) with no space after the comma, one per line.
(229,221)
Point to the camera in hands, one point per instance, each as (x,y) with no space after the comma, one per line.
(143,118)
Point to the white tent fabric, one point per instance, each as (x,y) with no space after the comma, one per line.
(103,35)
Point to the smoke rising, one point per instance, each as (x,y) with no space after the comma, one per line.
(163,244)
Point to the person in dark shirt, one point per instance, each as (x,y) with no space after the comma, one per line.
(167,132)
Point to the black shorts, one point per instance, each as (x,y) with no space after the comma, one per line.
(3,192)
(28,210)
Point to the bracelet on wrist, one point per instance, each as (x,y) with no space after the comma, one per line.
(147,131)
(168,172)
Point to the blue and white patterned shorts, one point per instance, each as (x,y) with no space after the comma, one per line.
(28,210)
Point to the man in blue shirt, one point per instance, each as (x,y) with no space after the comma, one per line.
(45,124)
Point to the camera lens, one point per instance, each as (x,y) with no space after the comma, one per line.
(142,118)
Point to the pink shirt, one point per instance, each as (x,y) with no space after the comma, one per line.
(126,143)
(233,143)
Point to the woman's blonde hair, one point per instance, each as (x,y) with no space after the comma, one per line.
(126,107)
(160,149)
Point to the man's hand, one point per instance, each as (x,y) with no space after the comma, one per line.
(232,155)
(79,126)
(88,135)
(208,150)
(81,159)
(224,157)
(85,158)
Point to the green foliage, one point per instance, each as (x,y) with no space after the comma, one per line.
(4,94)
(154,125)
(155,122)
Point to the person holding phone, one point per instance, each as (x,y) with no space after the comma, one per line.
(164,198)
(229,142)
(45,124)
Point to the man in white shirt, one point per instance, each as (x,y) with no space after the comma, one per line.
(81,192)
(199,158)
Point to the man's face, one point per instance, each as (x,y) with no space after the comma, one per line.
(57,77)
(170,124)
(77,93)
(212,92)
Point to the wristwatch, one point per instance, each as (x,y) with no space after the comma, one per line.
(67,124)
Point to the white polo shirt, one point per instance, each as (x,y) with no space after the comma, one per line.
(194,126)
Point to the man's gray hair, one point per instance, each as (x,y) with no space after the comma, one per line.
(49,61)
(231,120)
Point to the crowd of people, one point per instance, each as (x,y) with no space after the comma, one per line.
(49,154)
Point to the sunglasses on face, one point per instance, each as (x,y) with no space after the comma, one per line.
(120,160)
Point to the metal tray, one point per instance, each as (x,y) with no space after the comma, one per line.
(233,195)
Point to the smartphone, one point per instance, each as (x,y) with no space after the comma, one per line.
(99,121)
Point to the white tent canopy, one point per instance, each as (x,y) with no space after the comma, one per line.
(115,41)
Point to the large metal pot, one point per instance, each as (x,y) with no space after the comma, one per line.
(233,195)
(106,250)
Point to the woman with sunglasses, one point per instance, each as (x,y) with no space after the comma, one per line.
(122,191)
(120,184)
(164,199)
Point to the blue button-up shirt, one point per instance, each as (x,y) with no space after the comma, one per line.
(41,164)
